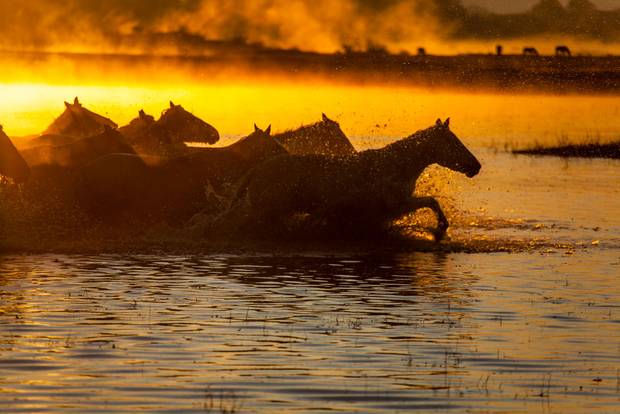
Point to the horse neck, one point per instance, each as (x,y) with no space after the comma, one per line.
(403,160)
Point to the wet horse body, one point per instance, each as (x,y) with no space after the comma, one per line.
(176,187)
(78,152)
(12,164)
(166,137)
(324,137)
(365,191)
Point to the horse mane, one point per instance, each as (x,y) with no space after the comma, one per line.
(419,136)
(289,133)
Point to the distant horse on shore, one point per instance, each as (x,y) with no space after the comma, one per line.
(530,51)
(167,136)
(12,164)
(324,137)
(562,51)
(77,121)
(364,191)
(177,187)
(78,152)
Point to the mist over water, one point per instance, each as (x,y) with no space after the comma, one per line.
(444,26)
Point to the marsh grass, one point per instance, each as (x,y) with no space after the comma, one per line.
(592,145)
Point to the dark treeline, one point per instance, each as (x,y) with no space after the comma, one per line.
(580,18)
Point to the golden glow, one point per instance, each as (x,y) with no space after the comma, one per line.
(370,115)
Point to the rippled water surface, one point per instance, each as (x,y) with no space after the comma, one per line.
(419,331)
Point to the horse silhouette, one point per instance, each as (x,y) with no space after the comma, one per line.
(562,51)
(137,127)
(364,191)
(324,137)
(167,136)
(78,122)
(12,164)
(530,51)
(79,152)
(173,188)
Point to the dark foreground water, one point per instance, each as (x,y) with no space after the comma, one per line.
(417,331)
(532,329)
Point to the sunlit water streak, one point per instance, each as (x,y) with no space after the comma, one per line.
(303,334)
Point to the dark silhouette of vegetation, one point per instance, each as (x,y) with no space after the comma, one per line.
(591,150)
(580,18)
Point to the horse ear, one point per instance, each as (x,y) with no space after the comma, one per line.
(325,118)
(1,128)
(76,101)
(67,104)
(268,130)
(172,104)
(142,113)
(447,123)
(256,128)
(438,122)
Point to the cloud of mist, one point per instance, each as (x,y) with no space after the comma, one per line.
(313,25)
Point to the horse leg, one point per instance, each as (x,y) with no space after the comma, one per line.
(418,203)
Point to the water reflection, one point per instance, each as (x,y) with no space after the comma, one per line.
(289,334)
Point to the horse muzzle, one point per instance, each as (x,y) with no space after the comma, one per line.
(472,172)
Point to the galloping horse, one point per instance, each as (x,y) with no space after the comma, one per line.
(12,164)
(323,137)
(176,187)
(78,122)
(167,136)
(366,190)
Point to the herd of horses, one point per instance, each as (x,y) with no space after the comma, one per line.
(146,171)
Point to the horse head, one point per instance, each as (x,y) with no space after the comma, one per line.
(259,145)
(450,152)
(77,121)
(186,127)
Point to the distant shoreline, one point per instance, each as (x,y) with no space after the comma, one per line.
(610,150)
(506,73)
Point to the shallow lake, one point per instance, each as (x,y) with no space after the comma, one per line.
(532,327)
(536,328)
(416,331)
